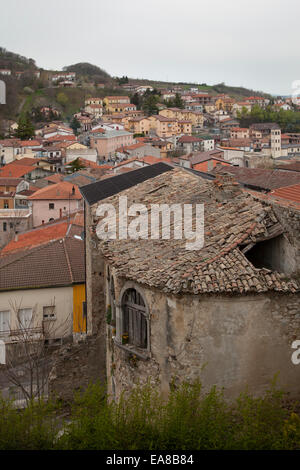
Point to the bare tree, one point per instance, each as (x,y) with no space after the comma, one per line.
(28,355)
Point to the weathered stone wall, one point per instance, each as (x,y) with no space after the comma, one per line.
(95,291)
(231,342)
(290,220)
(75,366)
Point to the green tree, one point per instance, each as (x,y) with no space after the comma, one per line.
(37,115)
(75,125)
(25,128)
(62,99)
(76,165)
(178,103)
(123,80)
(137,100)
(150,105)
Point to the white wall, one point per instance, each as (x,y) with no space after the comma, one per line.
(61,297)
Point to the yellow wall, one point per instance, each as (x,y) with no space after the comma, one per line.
(10,203)
(79,322)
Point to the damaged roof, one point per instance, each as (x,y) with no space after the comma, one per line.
(234,221)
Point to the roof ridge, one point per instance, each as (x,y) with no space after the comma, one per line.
(27,252)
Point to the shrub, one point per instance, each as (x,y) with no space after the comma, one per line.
(33,428)
(190,419)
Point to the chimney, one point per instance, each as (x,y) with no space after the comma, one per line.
(73,191)
(16,237)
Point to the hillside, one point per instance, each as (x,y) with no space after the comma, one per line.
(28,91)
(90,72)
(235,92)
(15,62)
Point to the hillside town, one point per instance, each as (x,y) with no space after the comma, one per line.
(128,310)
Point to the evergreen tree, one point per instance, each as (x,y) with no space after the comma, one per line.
(76,165)
(178,103)
(150,105)
(25,128)
(75,125)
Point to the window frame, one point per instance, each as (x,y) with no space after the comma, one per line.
(27,323)
(135,338)
(53,317)
(2,322)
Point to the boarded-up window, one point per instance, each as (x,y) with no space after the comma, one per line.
(134,319)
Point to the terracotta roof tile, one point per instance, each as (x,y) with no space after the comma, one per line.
(62,190)
(36,237)
(233,220)
(57,263)
(15,170)
(263,178)
(291,193)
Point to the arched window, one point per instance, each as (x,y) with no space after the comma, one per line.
(135,321)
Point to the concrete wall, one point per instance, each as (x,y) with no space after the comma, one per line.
(41,212)
(231,342)
(13,224)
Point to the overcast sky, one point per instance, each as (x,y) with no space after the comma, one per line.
(250,43)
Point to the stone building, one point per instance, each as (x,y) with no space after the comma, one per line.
(227,314)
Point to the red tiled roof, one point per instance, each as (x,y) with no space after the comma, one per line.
(10,142)
(291,193)
(152,160)
(263,178)
(54,230)
(30,143)
(27,192)
(36,237)
(188,139)
(62,190)
(293,166)
(97,131)
(54,178)
(59,138)
(56,263)
(26,161)
(15,170)
(10,181)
